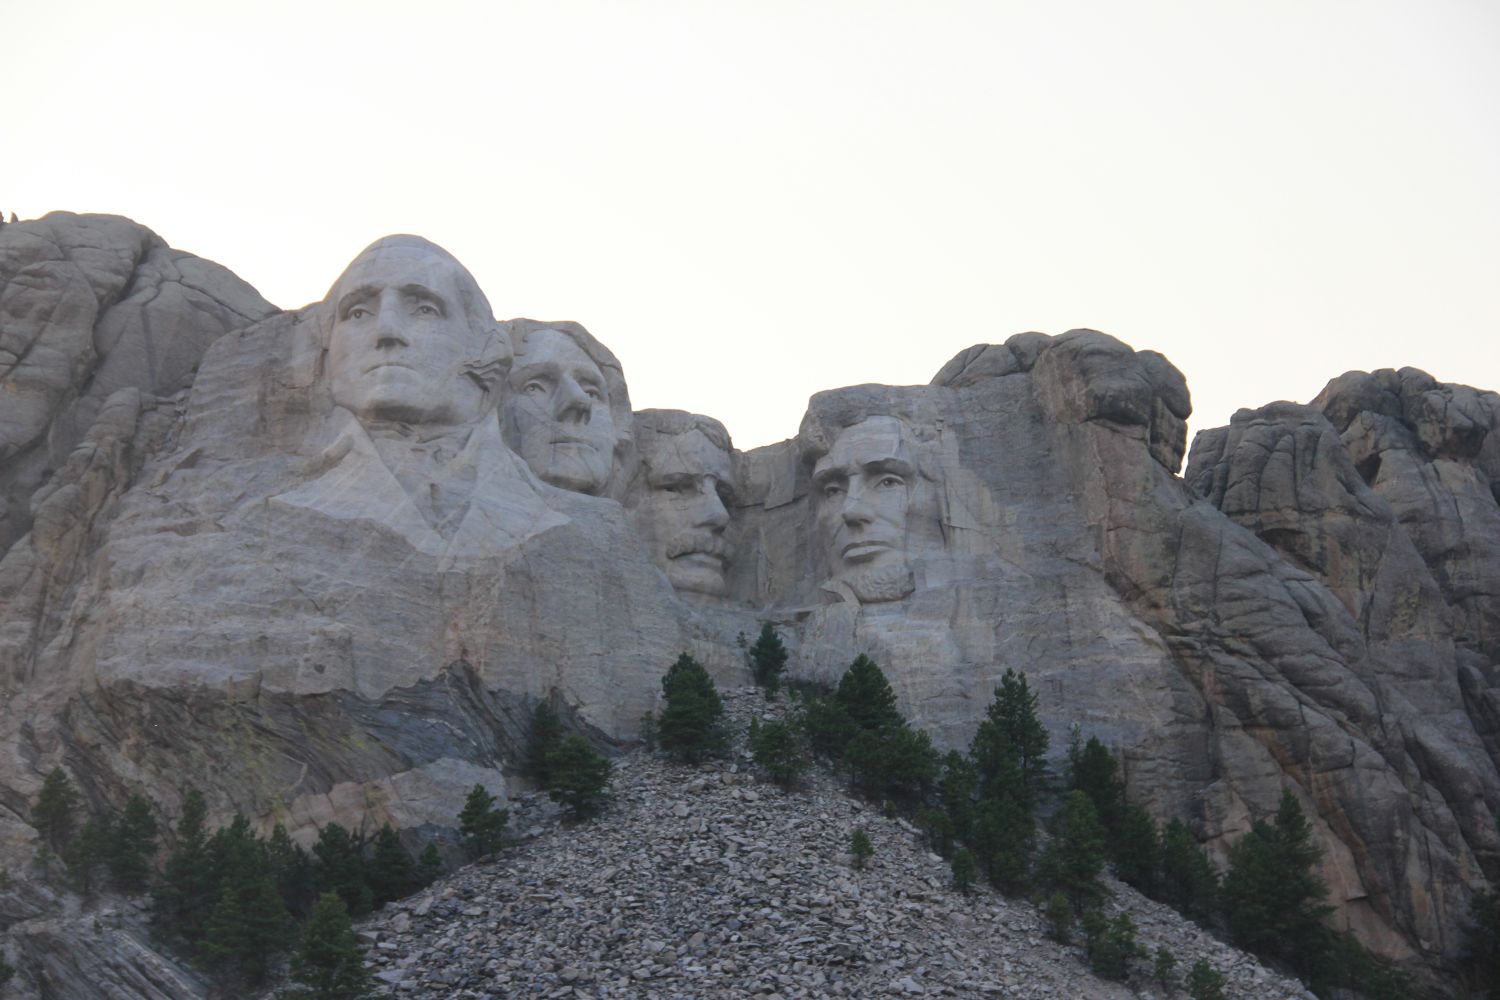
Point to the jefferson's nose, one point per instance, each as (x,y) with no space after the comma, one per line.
(571,403)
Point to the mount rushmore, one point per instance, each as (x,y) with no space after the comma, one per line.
(323,563)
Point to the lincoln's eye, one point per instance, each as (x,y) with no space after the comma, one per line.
(832,490)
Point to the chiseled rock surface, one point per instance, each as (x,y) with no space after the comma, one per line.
(746,890)
(91,305)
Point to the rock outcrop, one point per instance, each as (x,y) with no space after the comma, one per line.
(334,579)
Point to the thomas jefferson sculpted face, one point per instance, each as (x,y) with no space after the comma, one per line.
(412,339)
(686,482)
(864,489)
(559,411)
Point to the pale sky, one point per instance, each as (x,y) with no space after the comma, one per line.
(753,201)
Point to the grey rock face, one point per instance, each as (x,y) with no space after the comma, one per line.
(334,579)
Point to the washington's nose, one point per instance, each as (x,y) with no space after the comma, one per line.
(573,404)
(389,329)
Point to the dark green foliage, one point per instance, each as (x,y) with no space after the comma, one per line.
(88,851)
(689,728)
(132,846)
(768,659)
(329,963)
(578,777)
(292,868)
(339,866)
(1092,770)
(860,847)
(52,813)
(429,865)
(829,728)
(938,828)
(391,873)
(185,894)
(546,734)
(1481,956)
(896,762)
(1137,850)
(249,923)
(1010,746)
(959,782)
(1059,914)
(1204,982)
(1075,856)
(780,748)
(1111,945)
(1164,969)
(1352,966)
(1003,838)
(648,730)
(481,824)
(1272,896)
(866,697)
(6,971)
(964,870)
(1186,879)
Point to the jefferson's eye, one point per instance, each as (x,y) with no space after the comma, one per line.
(888,482)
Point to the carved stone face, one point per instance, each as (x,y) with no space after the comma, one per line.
(683,509)
(402,343)
(863,490)
(559,413)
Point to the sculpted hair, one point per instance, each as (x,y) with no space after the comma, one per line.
(830,414)
(651,424)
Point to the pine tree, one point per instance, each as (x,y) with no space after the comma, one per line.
(1187,880)
(6,971)
(1272,896)
(860,847)
(132,846)
(689,728)
(481,824)
(1010,746)
(391,873)
(52,813)
(829,728)
(1164,968)
(185,895)
(340,867)
(329,962)
(959,782)
(1204,982)
(1093,771)
(546,734)
(1481,955)
(578,777)
(938,828)
(1136,850)
(779,747)
(429,866)
(249,924)
(866,697)
(768,659)
(1060,919)
(963,870)
(89,851)
(1075,856)
(292,868)
(1003,838)
(1111,945)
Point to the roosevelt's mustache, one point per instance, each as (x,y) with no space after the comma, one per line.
(705,542)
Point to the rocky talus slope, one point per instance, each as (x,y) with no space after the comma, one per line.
(707,882)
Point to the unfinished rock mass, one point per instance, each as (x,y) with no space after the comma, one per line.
(321,564)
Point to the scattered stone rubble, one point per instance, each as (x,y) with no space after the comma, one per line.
(709,882)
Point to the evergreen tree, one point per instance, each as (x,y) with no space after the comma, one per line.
(866,697)
(132,846)
(480,823)
(1137,850)
(779,747)
(1187,880)
(546,734)
(339,866)
(963,870)
(329,963)
(1075,856)
(1272,896)
(959,783)
(829,728)
(1093,771)
(292,868)
(1010,746)
(578,777)
(1164,969)
(1059,914)
(689,728)
(429,865)
(1204,982)
(1111,945)
(52,813)
(860,847)
(768,659)
(185,895)
(88,851)
(1481,955)
(6,971)
(391,873)
(938,828)
(1004,836)
(249,924)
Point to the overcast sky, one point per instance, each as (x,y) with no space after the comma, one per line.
(752,201)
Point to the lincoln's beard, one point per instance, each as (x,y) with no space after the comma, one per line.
(879,584)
